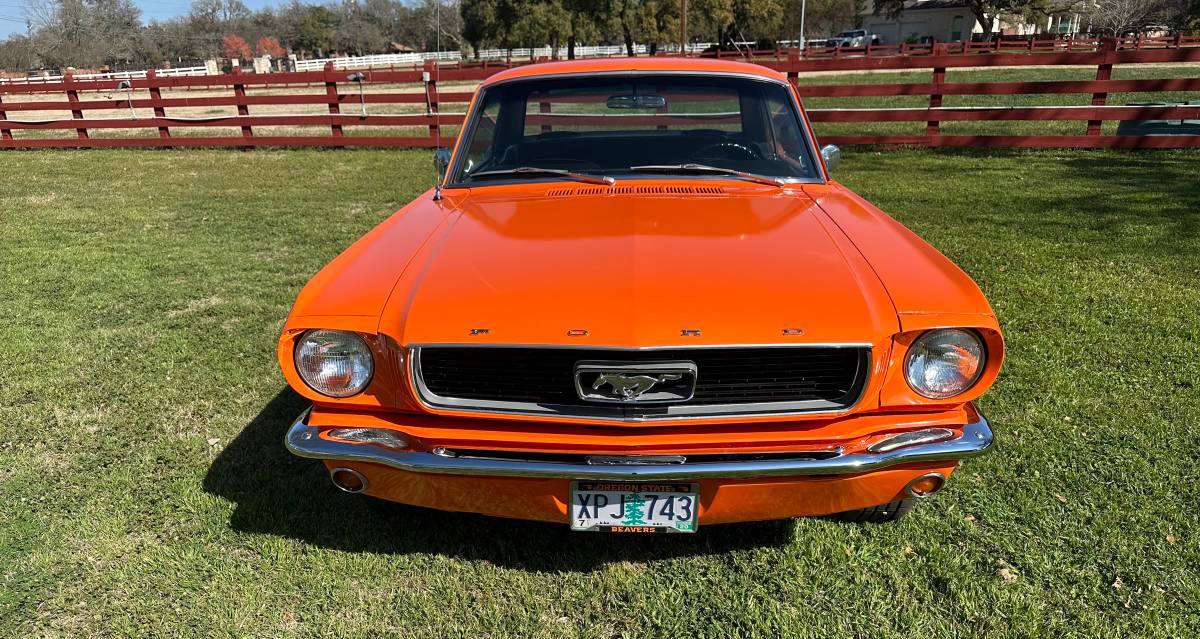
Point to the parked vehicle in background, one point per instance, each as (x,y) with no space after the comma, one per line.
(854,38)
(637,302)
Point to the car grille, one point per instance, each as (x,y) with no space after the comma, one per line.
(729,381)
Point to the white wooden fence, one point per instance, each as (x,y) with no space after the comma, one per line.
(120,75)
(416,59)
(400,60)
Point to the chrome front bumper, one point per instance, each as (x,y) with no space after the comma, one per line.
(303,440)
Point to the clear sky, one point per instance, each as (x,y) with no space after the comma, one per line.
(12,12)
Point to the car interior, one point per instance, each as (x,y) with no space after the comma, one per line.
(610,125)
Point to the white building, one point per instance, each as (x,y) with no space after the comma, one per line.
(952,21)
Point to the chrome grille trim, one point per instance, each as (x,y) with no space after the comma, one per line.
(436,403)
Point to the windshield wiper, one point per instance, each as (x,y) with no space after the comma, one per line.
(704,168)
(533,170)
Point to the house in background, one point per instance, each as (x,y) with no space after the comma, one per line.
(952,21)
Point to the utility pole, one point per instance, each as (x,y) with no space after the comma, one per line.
(683,36)
(803,10)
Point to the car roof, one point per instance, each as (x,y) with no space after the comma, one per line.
(610,65)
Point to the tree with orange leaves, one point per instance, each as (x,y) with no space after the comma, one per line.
(270,46)
(235,47)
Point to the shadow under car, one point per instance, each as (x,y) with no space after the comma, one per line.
(280,494)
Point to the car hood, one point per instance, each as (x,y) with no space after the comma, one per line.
(597,267)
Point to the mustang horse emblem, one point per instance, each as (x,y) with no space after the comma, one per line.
(632,386)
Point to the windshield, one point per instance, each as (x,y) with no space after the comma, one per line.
(619,126)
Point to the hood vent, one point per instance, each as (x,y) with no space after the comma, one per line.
(636,190)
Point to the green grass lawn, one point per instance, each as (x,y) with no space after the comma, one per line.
(145,491)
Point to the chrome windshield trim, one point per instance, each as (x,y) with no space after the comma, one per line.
(305,441)
(437,404)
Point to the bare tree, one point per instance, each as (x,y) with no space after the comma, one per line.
(450,28)
(85,33)
(17,53)
(1122,17)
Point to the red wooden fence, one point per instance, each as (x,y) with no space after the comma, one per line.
(349,113)
(1032,44)
(941,60)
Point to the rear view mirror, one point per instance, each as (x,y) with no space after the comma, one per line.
(832,156)
(634,101)
(441,161)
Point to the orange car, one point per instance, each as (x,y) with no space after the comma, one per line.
(636,301)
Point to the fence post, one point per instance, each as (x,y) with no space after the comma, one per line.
(156,101)
(431,97)
(544,108)
(933,127)
(5,133)
(793,74)
(662,110)
(243,109)
(331,94)
(1103,72)
(73,98)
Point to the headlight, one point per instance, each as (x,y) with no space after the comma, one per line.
(944,362)
(334,363)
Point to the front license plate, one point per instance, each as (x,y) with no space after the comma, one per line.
(634,507)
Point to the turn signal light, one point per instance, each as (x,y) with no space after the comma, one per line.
(911,438)
(378,436)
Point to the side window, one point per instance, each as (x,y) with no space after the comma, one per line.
(484,137)
(786,133)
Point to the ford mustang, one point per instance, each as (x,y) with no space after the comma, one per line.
(637,301)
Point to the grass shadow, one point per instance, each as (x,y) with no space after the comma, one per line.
(279,494)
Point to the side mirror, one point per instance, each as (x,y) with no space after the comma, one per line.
(832,156)
(441,162)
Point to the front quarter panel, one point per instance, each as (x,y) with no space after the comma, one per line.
(359,281)
(919,279)
(350,293)
(927,289)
